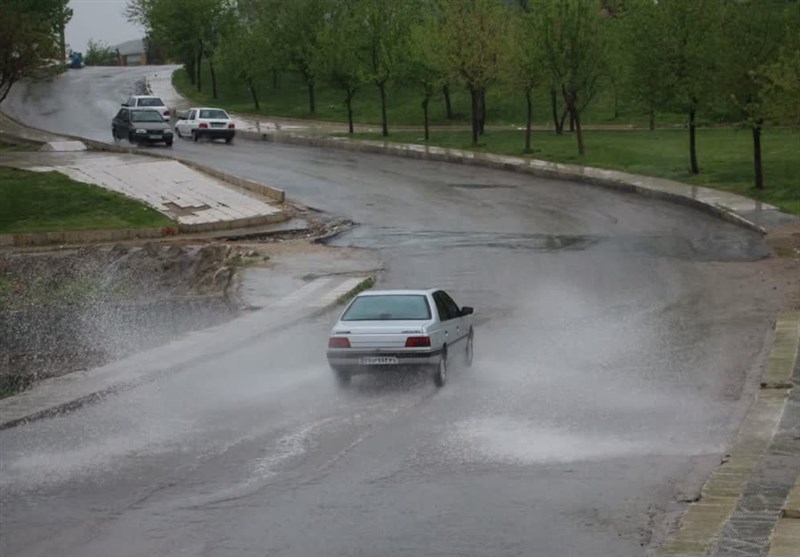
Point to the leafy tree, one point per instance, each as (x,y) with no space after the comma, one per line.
(471,49)
(783,78)
(28,42)
(244,52)
(385,28)
(574,51)
(298,25)
(754,33)
(342,63)
(424,65)
(688,34)
(99,53)
(522,63)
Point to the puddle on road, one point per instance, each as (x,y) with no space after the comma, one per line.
(503,439)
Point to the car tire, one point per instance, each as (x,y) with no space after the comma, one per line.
(131,138)
(195,136)
(342,378)
(114,134)
(440,375)
(228,139)
(469,352)
(178,131)
(168,142)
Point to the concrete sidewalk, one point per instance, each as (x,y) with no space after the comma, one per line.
(198,202)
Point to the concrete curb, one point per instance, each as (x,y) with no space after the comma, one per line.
(620,181)
(365,284)
(703,520)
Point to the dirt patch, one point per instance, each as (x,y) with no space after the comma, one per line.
(66,310)
(785,264)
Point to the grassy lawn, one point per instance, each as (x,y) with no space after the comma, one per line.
(724,155)
(47,202)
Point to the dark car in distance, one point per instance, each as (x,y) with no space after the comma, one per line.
(141,126)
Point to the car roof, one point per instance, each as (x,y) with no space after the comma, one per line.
(144,97)
(397,292)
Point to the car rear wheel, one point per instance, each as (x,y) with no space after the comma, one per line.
(195,136)
(440,375)
(178,131)
(228,139)
(168,142)
(131,139)
(114,133)
(470,349)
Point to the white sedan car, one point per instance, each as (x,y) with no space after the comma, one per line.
(390,329)
(213,123)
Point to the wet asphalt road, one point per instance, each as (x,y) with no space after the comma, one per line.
(618,347)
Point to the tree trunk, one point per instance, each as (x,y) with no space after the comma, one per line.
(576,117)
(561,121)
(652,120)
(190,71)
(312,99)
(213,78)
(425,103)
(447,106)
(199,70)
(558,124)
(571,120)
(482,111)
(384,123)
(695,169)
(529,122)
(252,88)
(349,102)
(759,169)
(474,97)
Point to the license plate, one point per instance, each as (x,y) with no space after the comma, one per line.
(216,125)
(378,360)
(155,136)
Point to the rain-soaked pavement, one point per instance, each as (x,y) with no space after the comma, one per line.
(618,345)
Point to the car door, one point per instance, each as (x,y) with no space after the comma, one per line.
(458,323)
(446,323)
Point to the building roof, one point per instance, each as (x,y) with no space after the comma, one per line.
(135,46)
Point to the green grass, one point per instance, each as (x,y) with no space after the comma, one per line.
(724,155)
(49,201)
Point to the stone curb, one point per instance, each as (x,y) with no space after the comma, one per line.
(612,179)
(365,284)
(703,520)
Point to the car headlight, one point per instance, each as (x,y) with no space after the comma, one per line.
(141,130)
(168,131)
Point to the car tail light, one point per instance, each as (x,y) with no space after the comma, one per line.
(418,342)
(338,342)
(231,126)
(166,113)
(203,125)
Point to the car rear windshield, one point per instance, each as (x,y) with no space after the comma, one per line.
(214,114)
(391,307)
(146,116)
(155,101)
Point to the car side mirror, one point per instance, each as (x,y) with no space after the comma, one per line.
(466,310)
(124,104)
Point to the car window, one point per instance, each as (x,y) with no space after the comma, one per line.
(214,114)
(151,101)
(146,116)
(191,115)
(391,307)
(452,307)
(122,114)
(131,101)
(441,307)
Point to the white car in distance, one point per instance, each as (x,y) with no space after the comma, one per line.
(213,123)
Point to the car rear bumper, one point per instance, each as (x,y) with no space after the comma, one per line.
(352,361)
(216,133)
